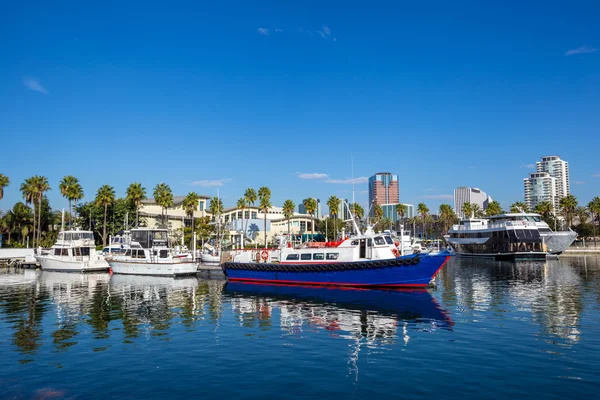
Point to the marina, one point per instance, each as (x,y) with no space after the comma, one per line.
(536,321)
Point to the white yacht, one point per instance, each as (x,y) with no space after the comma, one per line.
(499,237)
(74,251)
(556,241)
(118,244)
(150,254)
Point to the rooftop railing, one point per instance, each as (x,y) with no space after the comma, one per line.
(495,225)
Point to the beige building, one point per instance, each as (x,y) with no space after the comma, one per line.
(152,212)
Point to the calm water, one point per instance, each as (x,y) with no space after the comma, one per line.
(488,329)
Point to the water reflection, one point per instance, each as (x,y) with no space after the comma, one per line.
(550,291)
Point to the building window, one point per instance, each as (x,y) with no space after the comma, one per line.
(239,214)
(254,215)
(247,214)
(201,206)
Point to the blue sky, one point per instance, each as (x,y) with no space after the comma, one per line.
(244,94)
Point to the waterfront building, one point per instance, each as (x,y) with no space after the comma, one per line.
(465,194)
(550,182)
(384,189)
(152,213)
(389,211)
(302,209)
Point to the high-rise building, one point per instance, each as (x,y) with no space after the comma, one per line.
(540,186)
(383,189)
(550,182)
(466,194)
(302,209)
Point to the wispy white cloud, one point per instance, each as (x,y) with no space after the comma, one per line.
(33,84)
(313,175)
(362,179)
(581,50)
(528,166)
(579,182)
(437,197)
(325,33)
(264,31)
(210,183)
(596,176)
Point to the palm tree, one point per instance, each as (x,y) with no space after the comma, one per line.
(334,205)
(544,208)
(66,186)
(594,207)
(447,216)
(4,182)
(163,196)
(467,210)
(28,190)
(568,204)
(264,196)
(477,212)
(249,197)
(424,211)
(105,197)
(493,208)
(401,211)
(582,214)
(518,207)
(41,186)
(241,204)
(310,205)
(288,212)
(190,204)
(357,210)
(76,194)
(135,194)
(378,212)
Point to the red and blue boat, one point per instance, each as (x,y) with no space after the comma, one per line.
(365,260)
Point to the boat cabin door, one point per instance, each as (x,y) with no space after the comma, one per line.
(365,248)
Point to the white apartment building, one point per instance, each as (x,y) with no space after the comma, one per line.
(466,194)
(550,182)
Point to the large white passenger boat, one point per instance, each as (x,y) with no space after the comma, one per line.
(500,237)
(74,251)
(555,241)
(150,254)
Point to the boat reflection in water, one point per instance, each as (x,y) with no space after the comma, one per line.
(370,313)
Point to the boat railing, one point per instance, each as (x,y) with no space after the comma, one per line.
(496,225)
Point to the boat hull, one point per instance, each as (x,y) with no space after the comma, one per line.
(48,263)
(153,269)
(411,271)
(559,241)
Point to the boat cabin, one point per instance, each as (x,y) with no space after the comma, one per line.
(149,238)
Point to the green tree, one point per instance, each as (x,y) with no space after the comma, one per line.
(241,204)
(401,211)
(424,211)
(594,207)
(66,186)
(582,214)
(519,207)
(447,217)
(28,190)
(105,197)
(250,198)
(163,196)
(264,196)
(190,204)
(378,212)
(288,212)
(310,205)
(215,207)
(568,204)
(41,186)
(4,182)
(357,210)
(135,194)
(467,210)
(477,211)
(544,208)
(493,208)
(334,205)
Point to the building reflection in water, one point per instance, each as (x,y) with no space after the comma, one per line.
(551,291)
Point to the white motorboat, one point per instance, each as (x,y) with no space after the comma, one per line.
(150,254)
(74,251)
